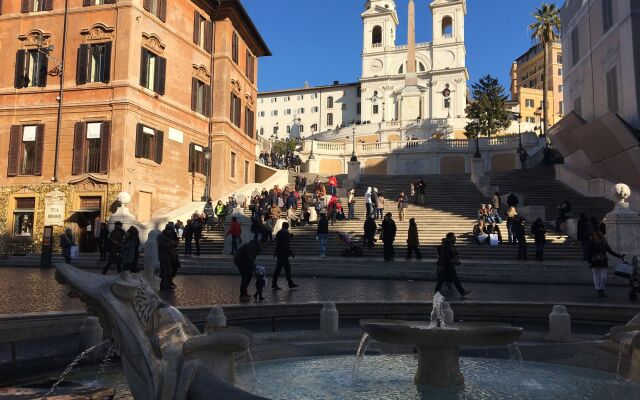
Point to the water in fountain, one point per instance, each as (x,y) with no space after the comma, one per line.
(515,355)
(362,349)
(71,366)
(620,351)
(251,363)
(437,315)
(107,359)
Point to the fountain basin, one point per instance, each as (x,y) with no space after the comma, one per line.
(439,348)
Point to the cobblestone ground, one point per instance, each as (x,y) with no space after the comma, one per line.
(25,290)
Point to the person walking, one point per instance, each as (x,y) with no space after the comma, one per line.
(520,236)
(420,190)
(235,230)
(388,237)
(413,241)
(116,238)
(245,261)
(380,206)
(447,263)
(599,262)
(131,250)
(168,257)
(187,236)
(374,203)
(282,253)
(524,157)
(539,234)
(197,228)
(103,242)
(370,228)
(511,217)
(367,201)
(402,206)
(496,202)
(351,203)
(322,233)
(66,243)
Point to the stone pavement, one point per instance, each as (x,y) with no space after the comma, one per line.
(26,290)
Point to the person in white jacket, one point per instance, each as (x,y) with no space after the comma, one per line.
(351,202)
(367,200)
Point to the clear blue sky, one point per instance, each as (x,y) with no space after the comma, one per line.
(321,40)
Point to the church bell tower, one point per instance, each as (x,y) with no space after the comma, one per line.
(380,21)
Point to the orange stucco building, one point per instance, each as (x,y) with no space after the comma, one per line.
(149,87)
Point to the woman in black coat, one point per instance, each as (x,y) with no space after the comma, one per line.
(370,229)
(598,250)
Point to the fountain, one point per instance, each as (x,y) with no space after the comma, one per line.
(439,344)
(163,354)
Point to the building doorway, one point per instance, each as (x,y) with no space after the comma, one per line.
(87,235)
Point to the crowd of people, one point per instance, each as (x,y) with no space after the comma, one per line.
(288,160)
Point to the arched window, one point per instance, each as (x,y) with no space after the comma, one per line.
(330,102)
(447,26)
(376,35)
(261,131)
(421,67)
(275,130)
(300,128)
(401,70)
(314,128)
(330,119)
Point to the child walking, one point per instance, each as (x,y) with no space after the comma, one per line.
(261,282)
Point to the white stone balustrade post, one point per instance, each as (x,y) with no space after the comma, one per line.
(623,224)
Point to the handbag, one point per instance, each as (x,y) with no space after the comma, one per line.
(73,251)
(493,240)
(624,270)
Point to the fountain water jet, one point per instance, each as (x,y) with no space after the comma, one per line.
(439,345)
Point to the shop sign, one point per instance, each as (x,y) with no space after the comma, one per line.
(54,208)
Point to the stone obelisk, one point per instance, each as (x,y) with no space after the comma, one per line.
(411,78)
(410,103)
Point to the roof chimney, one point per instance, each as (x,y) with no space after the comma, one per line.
(335,83)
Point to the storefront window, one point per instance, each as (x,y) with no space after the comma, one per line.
(23,217)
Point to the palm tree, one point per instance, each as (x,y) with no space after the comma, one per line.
(546,30)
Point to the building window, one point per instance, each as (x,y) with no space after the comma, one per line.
(330,102)
(575,46)
(91,148)
(330,119)
(274,99)
(149,143)
(261,114)
(300,97)
(314,96)
(31,69)
(153,70)
(249,121)
(235,46)
(200,97)
(375,108)
(314,109)
(359,91)
(26,144)
(275,131)
(359,108)
(157,8)
(94,63)
(36,5)
(300,110)
(287,111)
(559,58)
(561,107)
(376,35)
(87,3)
(246,172)
(447,27)
(287,98)
(447,102)
(529,103)
(261,131)
(274,113)
(23,216)
(577,105)
(344,106)
(196,159)
(236,110)
(612,90)
(607,15)
(288,128)
(250,67)
(232,172)
(314,128)
(202,32)
(559,71)
(560,88)
(301,128)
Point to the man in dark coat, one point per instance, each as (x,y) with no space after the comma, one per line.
(187,235)
(116,239)
(413,241)
(282,253)
(370,228)
(196,228)
(447,265)
(539,233)
(168,257)
(520,235)
(388,236)
(245,261)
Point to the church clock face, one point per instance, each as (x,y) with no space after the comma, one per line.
(375,66)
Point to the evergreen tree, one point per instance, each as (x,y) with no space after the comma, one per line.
(487,110)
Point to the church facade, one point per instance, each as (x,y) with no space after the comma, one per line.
(438,77)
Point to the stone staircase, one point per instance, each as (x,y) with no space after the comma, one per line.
(451,205)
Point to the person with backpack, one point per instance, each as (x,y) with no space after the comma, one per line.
(322,234)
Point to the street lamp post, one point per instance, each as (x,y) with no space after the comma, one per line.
(311,156)
(518,117)
(477,154)
(353,151)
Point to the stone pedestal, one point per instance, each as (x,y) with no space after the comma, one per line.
(354,172)
(123,214)
(623,225)
(449,316)
(215,320)
(410,104)
(477,168)
(329,319)
(245,225)
(151,260)
(559,324)
(439,367)
(313,166)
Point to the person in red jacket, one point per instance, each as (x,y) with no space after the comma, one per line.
(235,231)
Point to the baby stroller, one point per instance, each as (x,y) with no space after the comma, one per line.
(631,272)
(352,248)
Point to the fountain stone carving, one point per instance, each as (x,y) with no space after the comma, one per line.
(439,344)
(164,356)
